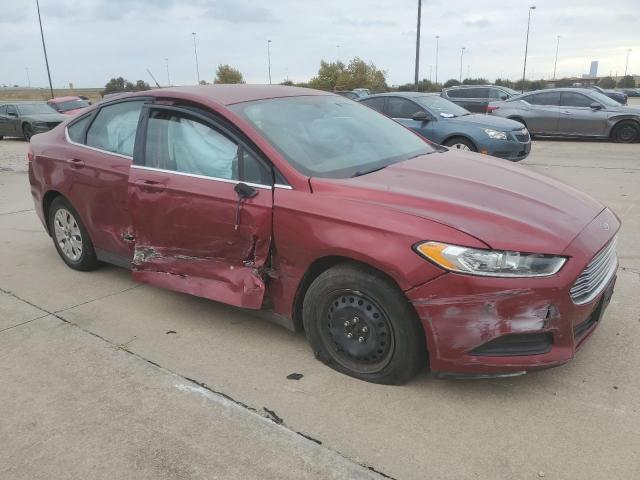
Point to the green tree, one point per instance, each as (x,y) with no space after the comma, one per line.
(475,81)
(607,82)
(537,85)
(452,82)
(120,84)
(228,74)
(504,82)
(357,74)
(141,85)
(627,82)
(564,82)
(288,83)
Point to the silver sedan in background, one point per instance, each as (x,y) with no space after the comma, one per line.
(571,112)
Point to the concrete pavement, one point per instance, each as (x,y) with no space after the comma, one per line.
(90,383)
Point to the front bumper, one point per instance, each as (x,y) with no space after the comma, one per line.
(461,314)
(512,150)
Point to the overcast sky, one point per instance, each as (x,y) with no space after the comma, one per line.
(90,41)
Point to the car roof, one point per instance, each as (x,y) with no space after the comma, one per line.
(404,94)
(474,86)
(230,94)
(561,89)
(64,99)
(23,102)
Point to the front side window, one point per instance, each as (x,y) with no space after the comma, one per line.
(401,107)
(572,99)
(11,110)
(184,144)
(114,128)
(331,137)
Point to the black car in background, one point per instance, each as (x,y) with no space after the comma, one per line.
(475,98)
(618,96)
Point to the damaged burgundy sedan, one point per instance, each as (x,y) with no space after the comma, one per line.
(388,251)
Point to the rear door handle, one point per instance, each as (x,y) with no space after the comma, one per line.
(76,163)
(150,185)
(566,112)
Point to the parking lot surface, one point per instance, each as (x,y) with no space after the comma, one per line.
(105,378)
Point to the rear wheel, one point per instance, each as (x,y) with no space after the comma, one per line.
(360,324)
(27,132)
(70,237)
(626,132)
(461,143)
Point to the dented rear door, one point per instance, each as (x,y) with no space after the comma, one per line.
(191,233)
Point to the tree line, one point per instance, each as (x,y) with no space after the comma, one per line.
(358,73)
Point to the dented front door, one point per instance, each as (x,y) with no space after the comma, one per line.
(191,233)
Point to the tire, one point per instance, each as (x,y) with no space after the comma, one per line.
(387,343)
(461,143)
(1,137)
(70,236)
(626,131)
(27,132)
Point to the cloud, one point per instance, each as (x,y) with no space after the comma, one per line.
(477,22)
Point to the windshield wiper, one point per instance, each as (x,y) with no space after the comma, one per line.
(359,173)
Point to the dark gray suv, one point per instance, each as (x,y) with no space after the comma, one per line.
(475,98)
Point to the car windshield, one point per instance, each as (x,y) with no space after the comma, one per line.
(603,99)
(35,108)
(72,105)
(441,106)
(329,136)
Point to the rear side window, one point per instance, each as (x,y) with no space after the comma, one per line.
(548,98)
(114,128)
(480,92)
(497,94)
(574,99)
(456,93)
(401,107)
(375,103)
(185,144)
(3,109)
(76,131)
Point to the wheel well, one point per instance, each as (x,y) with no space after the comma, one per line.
(518,119)
(460,136)
(615,125)
(315,269)
(47,200)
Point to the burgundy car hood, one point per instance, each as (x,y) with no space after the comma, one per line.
(506,206)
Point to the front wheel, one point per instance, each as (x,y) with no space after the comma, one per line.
(626,132)
(461,143)
(27,132)
(359,323)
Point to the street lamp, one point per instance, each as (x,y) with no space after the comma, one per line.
(195,51)
(526,47)
(626,65)
(556,62)
(269,58)
(418,44)
(44,47)
(437,47)
(461,55)
(166,61)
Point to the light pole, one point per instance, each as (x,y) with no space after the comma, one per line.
(626,65)
(526,47)
(166,61)
(437,48)
(28,77)
(556,62)
(44,47)
(195,52)
(269,58)
(418,44)
(461,55)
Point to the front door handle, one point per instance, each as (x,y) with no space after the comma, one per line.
(76,163)
(566,112)
(150,185)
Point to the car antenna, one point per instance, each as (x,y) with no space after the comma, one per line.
(154,78)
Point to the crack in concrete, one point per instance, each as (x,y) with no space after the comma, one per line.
(17,211)
(270,414)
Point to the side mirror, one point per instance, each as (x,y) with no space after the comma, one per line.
(595,106)
(245,191)
(420,116)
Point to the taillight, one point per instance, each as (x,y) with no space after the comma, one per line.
(29,154)
(491,108)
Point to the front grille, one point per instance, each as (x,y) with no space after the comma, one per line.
(522,135)
(596,275)
(516,344)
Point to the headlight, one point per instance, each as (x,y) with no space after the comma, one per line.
(496,135)
(490,263)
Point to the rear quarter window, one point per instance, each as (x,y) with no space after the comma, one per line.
(76,131)
(114,128)
(375,103)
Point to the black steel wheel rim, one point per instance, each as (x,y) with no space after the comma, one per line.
(627,133)
(357,331)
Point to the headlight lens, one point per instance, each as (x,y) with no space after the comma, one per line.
(496,135)
(491,263)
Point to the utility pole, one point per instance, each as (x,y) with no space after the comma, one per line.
(437,48)
(461,56)
(418,45)
(195,51)
(526,47)
(269,58)
(166,61)
(44,47)
(556,62)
